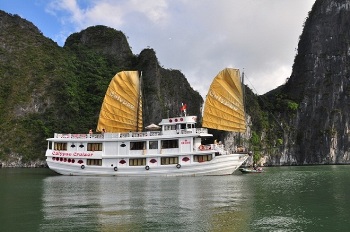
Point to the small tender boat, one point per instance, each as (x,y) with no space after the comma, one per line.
(248,170)
(172,148)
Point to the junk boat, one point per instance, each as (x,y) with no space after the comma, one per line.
(173,148)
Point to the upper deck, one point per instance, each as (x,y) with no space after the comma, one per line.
(196,131)
(177,127)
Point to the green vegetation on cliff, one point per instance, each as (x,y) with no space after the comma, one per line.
(45,88)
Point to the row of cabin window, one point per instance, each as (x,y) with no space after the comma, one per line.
(182,127)
(138,161)
(90,146)
(133,145)
(163,161)
(165,144)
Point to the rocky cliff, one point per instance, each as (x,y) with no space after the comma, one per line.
(318,131)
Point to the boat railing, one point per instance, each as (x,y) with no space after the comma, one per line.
(188,131)
(213,147)
(202,131)
(107,135)
(78,136)
(220,148)
(135,134)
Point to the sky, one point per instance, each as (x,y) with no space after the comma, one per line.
(197,37)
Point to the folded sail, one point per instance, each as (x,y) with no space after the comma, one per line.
(224,106)
(121,109)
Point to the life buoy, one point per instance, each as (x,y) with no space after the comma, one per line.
(178,166)
(201,147)
(82,166)
(147,167)
(115,169)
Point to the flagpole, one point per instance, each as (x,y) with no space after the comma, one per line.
(183,108)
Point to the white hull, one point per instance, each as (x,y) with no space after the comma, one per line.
(220,165)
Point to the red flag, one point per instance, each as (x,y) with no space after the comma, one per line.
(183,107)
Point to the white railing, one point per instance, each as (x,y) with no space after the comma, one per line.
(220,148)
(107,135)
(202,131)
(129,134)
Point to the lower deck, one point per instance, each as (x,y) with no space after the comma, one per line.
(132,161)
(198,164)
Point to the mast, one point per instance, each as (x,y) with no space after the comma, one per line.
(244,97)
(244,100)
(138,104)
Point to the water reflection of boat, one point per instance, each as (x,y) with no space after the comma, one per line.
(176,149)
(86,203)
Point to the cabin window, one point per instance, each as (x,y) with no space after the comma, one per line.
(170,127)
(137,162)
(50,145)
(94,162)
(170,144)
(190,126)
(202,158)
(94,146)
(137,145)
(153,144)
(60,146)
(169,160)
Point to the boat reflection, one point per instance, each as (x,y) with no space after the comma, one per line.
(142,204)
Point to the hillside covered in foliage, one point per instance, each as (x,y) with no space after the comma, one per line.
(46,88)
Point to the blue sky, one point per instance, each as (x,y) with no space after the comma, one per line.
(197,37)
(34,12)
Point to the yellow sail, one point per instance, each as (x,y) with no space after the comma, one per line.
(224,106)
(121,109)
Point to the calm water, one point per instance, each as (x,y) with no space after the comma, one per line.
(281,199)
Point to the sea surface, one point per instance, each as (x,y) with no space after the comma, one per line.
(313,198)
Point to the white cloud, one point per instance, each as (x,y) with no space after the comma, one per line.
(201,37)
